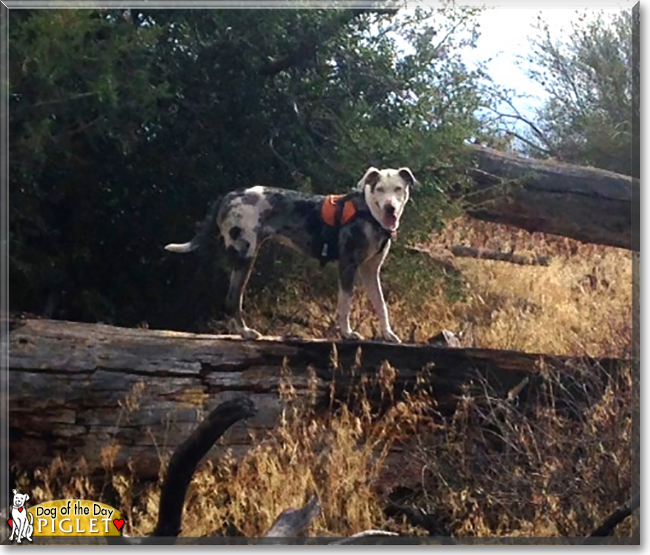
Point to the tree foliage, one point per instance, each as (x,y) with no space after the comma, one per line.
(588,75)
(125,124)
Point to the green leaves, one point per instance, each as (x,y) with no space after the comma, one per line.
(588,76)
(126,123)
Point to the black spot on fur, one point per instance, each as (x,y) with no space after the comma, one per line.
(251,198)
(275,199)
(303,207)
(357,240)
(234,232)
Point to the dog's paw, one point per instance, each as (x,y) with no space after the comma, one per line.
(389,336)
(249,333)
(353,336)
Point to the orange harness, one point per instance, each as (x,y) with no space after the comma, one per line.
(328,210)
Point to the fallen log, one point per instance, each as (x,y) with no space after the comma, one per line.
(116,395)
(500,256)
(443,255)
(584,203)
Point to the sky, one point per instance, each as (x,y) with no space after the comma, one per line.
(504,39)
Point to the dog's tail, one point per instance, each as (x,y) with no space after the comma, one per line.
(208,225)
(30,518)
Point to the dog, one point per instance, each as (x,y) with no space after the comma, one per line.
(23,526)
(354,229)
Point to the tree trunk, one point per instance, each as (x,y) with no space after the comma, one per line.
(114,394)
(588,204)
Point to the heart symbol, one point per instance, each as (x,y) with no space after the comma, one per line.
(119,522)
(11,523)
(20,510)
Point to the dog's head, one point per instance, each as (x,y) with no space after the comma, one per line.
(387,192)
(19,499)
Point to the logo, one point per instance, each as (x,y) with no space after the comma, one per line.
(63,518)
(21,522)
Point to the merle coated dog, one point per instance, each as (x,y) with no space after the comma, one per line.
(357,232)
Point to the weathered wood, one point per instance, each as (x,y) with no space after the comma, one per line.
(114,395)
(588,204)
(294,522)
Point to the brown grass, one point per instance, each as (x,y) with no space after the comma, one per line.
(492,469)
(579,305)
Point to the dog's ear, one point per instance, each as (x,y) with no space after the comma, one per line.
(15,492)
(407,176)
(371,178)
(26,497)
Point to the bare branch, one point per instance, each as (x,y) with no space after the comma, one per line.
(188,455)
(615,518)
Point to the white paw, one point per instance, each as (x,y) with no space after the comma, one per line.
(352,336)
(389,336)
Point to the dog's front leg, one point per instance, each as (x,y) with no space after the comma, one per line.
(21,532)
(369,271)
(347,271)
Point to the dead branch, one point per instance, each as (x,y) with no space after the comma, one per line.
(616,517)
(183,465)
(294,522)
(187,457)
(489,254)
(444,254)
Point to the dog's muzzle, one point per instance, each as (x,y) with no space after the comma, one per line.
(389,220)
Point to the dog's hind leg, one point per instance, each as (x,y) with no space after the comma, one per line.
(369,272)
(235,299)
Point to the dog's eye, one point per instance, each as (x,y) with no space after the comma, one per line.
(398,189)
(381,190)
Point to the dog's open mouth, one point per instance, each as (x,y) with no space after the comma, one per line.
(389,222)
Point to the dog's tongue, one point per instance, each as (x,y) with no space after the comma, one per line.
(390,222)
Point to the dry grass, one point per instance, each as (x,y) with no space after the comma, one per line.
(492,469)
(579,305)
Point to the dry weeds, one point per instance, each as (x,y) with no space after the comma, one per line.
(493,469)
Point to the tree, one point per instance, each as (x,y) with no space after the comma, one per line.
(588,75)
(125,124)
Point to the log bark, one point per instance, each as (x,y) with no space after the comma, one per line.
(115,395)
(584,203)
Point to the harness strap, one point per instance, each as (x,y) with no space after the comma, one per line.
(336,210)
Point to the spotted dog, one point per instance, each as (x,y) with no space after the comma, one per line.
(359,236)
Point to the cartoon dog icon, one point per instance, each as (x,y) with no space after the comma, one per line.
(23,525)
